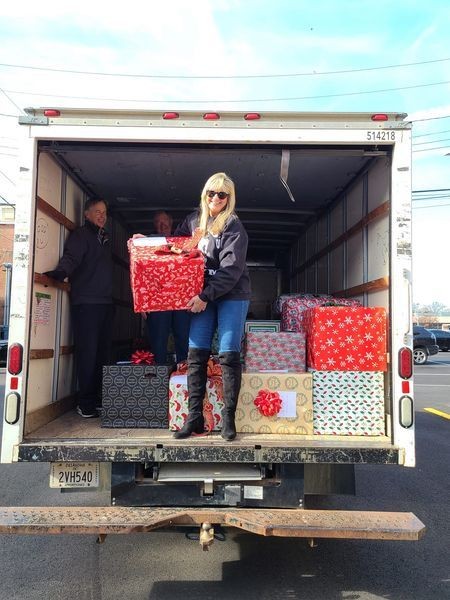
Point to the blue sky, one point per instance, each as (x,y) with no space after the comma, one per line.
(218,40)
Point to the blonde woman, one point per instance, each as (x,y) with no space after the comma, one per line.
(222,304)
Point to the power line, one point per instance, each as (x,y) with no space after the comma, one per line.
(431,206)
(430,149)
(434,133)
(409,87)
(5,175)
(11,100)
(5,200)
(429,118)
(272,76)
(428,198)
(431,190)
(432,142)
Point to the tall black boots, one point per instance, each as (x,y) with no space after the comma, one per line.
(231,375)
(197,376)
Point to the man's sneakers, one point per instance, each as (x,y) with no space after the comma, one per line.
(87,413)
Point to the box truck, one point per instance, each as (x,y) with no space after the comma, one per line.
(326,201)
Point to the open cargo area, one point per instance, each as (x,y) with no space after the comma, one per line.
(319,218)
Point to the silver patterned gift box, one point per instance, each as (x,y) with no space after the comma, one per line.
(136,396)
(267,351)
(348,402)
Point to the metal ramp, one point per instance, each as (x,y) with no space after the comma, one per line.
(300,523)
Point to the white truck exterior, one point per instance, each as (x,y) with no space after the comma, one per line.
(350,180)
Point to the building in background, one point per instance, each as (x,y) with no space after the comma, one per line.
(7,215)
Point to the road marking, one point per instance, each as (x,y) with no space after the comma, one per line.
(439,413)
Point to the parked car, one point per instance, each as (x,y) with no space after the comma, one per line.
(3,352)
(424,344)
(442,339)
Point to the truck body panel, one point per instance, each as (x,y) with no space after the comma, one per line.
(347,233)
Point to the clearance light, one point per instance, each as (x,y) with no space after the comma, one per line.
(51,112)
(12,407)
(14,383)
(406,412)
(211,116)
(405,387)
(170,115)
(252,116)
(15,355)
(405,363)
(379,117)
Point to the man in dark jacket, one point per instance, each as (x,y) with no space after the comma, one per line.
(87,262)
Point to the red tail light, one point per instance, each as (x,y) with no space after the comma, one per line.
(170,115)
(211,116)
(405,363)
(252,116)
(15,359)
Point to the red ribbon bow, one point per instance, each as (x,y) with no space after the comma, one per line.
(213,368)
(172,249)
(142,357)
(268,403)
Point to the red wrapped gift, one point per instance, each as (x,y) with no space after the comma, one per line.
(293,309)
(162,279)
(341,338)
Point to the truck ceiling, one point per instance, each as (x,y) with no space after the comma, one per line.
(137,179)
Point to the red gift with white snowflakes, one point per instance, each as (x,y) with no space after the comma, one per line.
(341,338)
(267,351)
(293,309)
(162,279)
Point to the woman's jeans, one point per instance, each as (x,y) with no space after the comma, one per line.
(228,317)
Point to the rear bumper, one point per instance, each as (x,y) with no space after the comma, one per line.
(433,349)
(265,522)
(313,452)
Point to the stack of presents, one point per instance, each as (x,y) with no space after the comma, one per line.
(319,370)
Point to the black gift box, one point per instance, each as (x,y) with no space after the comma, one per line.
(136,396)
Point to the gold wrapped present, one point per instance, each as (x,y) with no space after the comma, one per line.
(295,392)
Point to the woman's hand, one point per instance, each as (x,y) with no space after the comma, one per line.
(196,304)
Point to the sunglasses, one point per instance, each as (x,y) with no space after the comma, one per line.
(220,195)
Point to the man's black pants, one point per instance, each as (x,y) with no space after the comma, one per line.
(92,331)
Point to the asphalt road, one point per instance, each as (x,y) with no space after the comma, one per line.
(166,565)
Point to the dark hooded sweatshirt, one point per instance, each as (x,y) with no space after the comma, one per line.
(226,273)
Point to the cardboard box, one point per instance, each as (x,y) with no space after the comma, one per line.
(296,416)
(179,397)
(265,351)
(348,402)
(163,280)
(135,396)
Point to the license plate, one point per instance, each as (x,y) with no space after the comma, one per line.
(74,475)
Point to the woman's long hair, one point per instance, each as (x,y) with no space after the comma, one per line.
(219,182)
